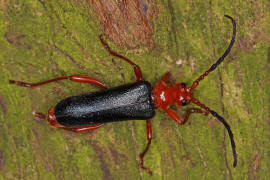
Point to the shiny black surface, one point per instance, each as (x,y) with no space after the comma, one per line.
(121,103)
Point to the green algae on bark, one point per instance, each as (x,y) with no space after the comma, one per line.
(45,39)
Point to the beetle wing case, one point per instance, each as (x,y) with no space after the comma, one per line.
(127,102)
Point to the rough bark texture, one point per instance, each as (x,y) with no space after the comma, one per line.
(45,39)
(126,22)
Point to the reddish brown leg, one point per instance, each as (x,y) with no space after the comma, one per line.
(194,110)
(39,115)
(75,78)
(172,114)
(50,117)
(83,128)
(166,77)
(137,69)
(149,138)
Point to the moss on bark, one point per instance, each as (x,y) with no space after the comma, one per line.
(40,40)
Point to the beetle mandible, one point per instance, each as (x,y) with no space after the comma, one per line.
(86,112)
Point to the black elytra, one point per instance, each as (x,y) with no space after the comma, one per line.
(126,102)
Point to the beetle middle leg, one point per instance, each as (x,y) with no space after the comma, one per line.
(136,68)
(149,138)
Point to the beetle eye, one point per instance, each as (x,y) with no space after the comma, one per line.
(183,85)
(184,102)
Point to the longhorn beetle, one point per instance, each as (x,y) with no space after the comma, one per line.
(86,112)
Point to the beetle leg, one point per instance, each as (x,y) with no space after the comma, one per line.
(83,128)
(194,110)
(74,78)
(149,138)
(166,77)
(172,114)
(39,115)
(136,68)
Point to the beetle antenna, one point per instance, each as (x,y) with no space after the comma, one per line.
(221,119)
(227,126)
(213,67)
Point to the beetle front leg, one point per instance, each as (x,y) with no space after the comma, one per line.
(166,77)
(174,116)
(149,138)
(194,110)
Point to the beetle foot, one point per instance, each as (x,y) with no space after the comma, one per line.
(143,167)
(39,115)
(19,83)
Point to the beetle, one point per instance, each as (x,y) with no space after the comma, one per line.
(136,101)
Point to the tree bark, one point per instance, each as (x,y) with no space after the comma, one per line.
(46,39)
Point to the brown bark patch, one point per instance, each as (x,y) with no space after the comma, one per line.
(126,23)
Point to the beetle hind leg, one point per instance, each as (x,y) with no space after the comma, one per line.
(82,129)
(74,78)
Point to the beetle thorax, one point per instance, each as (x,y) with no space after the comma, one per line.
(166,95)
